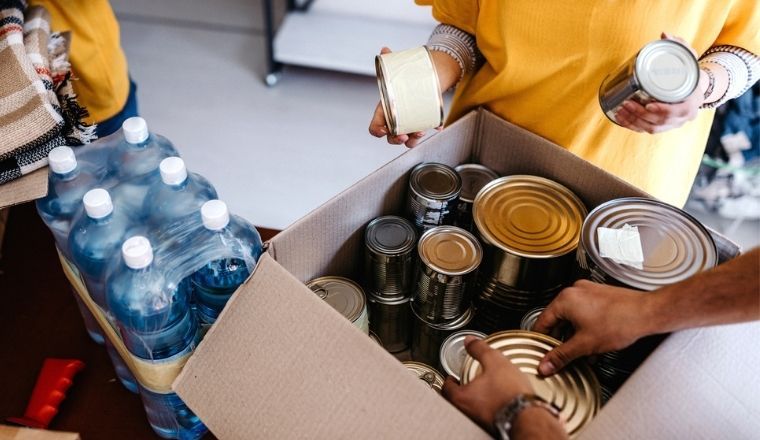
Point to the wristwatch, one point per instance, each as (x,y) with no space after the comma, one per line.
(505,417)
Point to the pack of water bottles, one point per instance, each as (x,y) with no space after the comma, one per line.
(158,256)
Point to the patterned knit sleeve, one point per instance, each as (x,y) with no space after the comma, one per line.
(459,45)
(743,69)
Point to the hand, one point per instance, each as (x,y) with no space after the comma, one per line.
(657,117)
(605,318)
(494,388)
(378,128)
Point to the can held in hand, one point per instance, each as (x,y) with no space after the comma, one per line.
(427,374)
(391,321)
(433,192)
(453,352)
(474,178)
(427,337)
(663,70)
(449,257)
(574,390)
(409,91)
(345,296)
(390,259)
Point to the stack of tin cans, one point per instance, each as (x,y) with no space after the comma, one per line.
(441,302)
(530,227)
(390,243)
(474,178)
(674,247)
(433,193)
(345,296)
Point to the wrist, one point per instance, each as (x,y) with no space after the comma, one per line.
(651,320)
(447,68)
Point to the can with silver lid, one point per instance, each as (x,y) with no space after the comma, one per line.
(345,296)
(453,352)
(409,91)
(391,321)
(561,332)
(474,178)
(663,70)
(390,242)
(427,337)
(427,374)
(574,390)
(432,196)
(449,257)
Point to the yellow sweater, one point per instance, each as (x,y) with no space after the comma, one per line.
(97,61)
(545,61)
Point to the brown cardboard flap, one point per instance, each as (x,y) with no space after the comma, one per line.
(19,433)
(30,187)
(280,363)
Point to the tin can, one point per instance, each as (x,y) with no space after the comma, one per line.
(391,321)
(427,337)
(449,257)
(432,196)
(531,227)
(675,245)
(614,368)
(427,374)
(561,332)
(390,264)
(663,70)
(453,352)
(499,308)
(409,91)
(574,390)
(345,296)
(375,338)
(474,178)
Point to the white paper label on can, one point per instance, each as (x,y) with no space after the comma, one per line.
(622,246)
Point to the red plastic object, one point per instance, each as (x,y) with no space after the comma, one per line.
(49,391)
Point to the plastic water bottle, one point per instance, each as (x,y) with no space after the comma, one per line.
(94,242)
(156,323)
(134,162)
(67,183)
(214,283)
(179,194)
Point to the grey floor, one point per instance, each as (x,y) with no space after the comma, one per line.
(274,154)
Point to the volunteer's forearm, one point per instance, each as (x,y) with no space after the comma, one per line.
(447,68)
(728,294)
(537,424)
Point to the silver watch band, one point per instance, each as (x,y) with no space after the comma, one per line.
(505,417)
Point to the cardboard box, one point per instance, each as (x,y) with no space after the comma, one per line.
(280,363)
(20,433)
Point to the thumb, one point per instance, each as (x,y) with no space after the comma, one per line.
(558,358)
(384,50)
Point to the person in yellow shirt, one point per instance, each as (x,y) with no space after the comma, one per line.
(98,64)
(539,64)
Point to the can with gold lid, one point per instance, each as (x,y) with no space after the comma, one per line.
(574,390)
(449,257)
(433,192)
(474,178)
(427,337)
(674,245)
(345,296)
(390,242)
(391,321)
(427,374)
(453,353)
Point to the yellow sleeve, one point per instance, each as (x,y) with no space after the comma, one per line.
(742,26)
(462,14)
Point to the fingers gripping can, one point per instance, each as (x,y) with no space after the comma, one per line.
(663,70)
(409,91)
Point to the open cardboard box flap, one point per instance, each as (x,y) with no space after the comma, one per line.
(280,363)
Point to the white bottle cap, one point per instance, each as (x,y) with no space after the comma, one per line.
(97,203)
(137,252)
(215,215)
(62,160)
(173,171)
(135,130)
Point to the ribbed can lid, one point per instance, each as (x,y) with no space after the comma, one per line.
(675,246)
(450,250)
(426,374)
(390,235)
(342,294)
(667,70)
(435,181)
(574,390)
(474,178)
(529,216)
(453,352)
